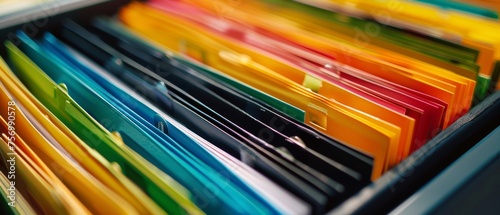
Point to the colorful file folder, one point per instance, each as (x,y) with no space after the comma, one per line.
(148,111)
(247,107)
(320,112)
(83,154)
(88,190)
(102,139)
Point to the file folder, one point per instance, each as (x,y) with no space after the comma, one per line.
(422,78)
(316,20)
(255,111)
(182,134)
(262,97)
(35,184)
(157,95)
(169,70)
(81,45)
(344,94)
(88,190)
(455,32)
(289,204)
(61,105)
(345,53)
(132,45)
(28,166)
(322,116)
(344,169)
(410,15)
(169,131)
(334,88)
(93,162)
(141,140)
(309,136)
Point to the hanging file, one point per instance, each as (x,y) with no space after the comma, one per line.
(98,138)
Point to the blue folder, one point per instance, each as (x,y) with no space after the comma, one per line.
(150,117)
(186,109)
(195,176)
(171,65)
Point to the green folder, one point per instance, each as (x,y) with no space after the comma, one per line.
(454,57)
(175,198)
(356,28)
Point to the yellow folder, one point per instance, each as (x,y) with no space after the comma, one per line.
(23,206)
(88,158)
(461,28)
(325,88)
(367,57)
(372,135)
(167,192)
(34,180)
(91,192)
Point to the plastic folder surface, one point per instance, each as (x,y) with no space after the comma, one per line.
(286,108)
(31,167)
(250,107)
(307,60)
(411,15)
(297,27)
(347,51)
(326,166)
(153,142)
(481,40)
(101,52)
(183,135)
